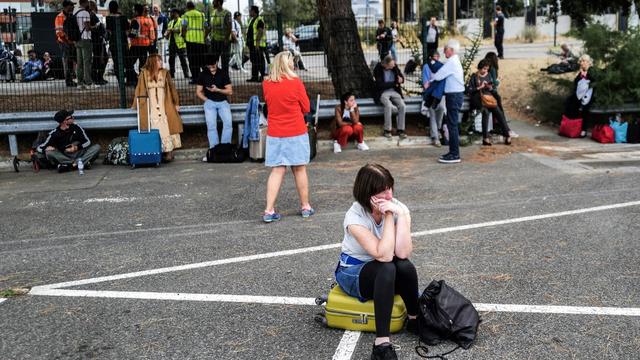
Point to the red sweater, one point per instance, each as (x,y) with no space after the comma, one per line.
(287,102)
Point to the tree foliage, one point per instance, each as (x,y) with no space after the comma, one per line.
(580,10)
(303,11)
(126,7)
(429,8)
(174,4)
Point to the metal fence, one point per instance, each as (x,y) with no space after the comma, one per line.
(50,92)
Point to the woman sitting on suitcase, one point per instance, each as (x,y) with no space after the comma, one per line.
(164,104)
(375,249)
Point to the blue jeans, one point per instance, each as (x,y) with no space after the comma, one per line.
(393,51)
(211,111)
(454,103)
(30,73)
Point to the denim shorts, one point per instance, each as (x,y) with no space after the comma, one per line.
(348,277)
(287,151)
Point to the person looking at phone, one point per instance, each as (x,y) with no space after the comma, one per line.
(213,87)
(374,263)
(67,143)
(479,85)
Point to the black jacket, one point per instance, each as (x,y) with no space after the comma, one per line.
(474,94)
(61,139)
(381,85)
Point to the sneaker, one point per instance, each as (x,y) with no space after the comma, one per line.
(336,148)
(204,159)
(387,134)
(513,134)
(271,217)
(362,146)
(64,168)
(307,212)
(449,159)
(436,143)
(402,135)
(87,165)
(384,351)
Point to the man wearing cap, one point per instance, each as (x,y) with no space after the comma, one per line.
(68,143)
(177,45)
(66,46)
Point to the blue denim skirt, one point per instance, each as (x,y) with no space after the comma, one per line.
(287,151)
(348,277)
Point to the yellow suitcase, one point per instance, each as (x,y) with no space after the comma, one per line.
(346,312)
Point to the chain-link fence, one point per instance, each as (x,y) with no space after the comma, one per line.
(39,71)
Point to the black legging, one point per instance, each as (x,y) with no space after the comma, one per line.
(380,281)
(498,116)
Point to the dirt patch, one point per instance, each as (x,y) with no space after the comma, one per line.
(489,154)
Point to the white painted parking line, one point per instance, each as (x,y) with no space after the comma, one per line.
(327,247)
(286,300)
(347,345)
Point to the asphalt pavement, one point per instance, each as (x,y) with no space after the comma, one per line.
(571,244)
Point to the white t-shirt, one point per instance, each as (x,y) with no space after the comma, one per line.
(237,29)
(357,215)
(288,43)
(431,34)
(83,17)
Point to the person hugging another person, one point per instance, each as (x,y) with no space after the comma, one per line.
(346,125)
(374,263)
(287,137)
(482,97)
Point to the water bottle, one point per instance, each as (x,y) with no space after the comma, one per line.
(80,167)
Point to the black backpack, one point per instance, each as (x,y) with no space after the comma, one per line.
(225,153)
(71,28)
(444,314)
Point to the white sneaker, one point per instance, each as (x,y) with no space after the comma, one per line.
(362,146)
(336,147)
(513,134)
(204,159)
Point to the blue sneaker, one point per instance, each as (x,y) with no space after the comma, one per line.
(307,212)
(449,159)
(271,217)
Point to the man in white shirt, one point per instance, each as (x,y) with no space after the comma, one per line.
(84,47)
(453,74)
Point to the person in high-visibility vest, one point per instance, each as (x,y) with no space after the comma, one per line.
(143,35)
(193,31)
(66,46)
(257,43)
(220,33)
(177,45)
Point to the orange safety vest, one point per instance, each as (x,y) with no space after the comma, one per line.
(146,34)
(61,37)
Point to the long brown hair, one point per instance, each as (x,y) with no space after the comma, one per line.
(152,66)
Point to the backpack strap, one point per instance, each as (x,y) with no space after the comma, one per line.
(422,351)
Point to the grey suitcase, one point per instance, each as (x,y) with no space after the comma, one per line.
(257,149)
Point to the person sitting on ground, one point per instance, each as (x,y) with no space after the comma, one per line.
(480,85)
(32,69)
(568,62)
(290,43)
(346,125)
(436,108)
(567,56)
(214,86)
(68,143)
(578,103)
(374,263)
(47,62)
(388,79)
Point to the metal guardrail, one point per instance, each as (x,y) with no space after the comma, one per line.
(12,124)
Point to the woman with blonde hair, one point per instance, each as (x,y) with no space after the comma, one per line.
(287,137)
(155,83)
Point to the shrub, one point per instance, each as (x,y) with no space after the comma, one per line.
(549,94)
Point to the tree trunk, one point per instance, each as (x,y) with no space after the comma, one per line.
(346,62)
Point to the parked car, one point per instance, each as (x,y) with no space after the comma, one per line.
(309,38)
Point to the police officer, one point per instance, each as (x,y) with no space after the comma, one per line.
(220,33)
(257,43)
(193,31)
(177,45)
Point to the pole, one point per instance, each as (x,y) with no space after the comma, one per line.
(120,60)
(423,38)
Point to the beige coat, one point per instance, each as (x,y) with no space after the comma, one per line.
(171,100)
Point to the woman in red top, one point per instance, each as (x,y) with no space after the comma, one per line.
(287,138)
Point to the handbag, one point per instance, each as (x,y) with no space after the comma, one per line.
(488,100)
(445,314)
(620,130)
(570,128)
(603,134)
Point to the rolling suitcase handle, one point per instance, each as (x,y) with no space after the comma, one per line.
(148,112)
(315,121)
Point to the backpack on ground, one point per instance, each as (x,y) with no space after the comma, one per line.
(117,152)
(603,134)
(445,314)
(225,153)
(71,28)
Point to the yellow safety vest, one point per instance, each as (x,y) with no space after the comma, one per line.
(217,23)
(194,20)
(176,26)
(263,40)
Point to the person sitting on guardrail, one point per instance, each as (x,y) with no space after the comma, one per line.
(68,143)
(480,85)
(290,43)
(388,80)
(214,86)
(156,83)
(346,124)
(32,69)
(374,263)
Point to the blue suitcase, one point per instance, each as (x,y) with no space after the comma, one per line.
(145,147)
